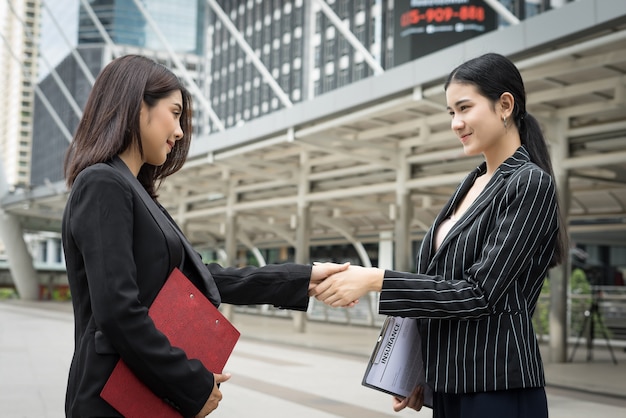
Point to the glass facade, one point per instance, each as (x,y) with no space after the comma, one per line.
(49,143)
(304,66)
(180,22)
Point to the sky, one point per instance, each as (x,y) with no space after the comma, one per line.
(52,45)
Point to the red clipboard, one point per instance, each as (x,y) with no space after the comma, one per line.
(195,325)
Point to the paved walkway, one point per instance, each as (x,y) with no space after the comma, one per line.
(600,376)
(268,366)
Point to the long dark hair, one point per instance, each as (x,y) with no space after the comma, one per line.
(492,75)
(110,122)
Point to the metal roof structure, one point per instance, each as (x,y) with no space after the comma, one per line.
(357,156)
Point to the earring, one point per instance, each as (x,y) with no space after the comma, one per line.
(504,121)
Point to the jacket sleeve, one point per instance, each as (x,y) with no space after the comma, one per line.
(520,240)
(102,224)
(282,285)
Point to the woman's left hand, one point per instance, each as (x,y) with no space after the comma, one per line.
(414,401)
(321,271)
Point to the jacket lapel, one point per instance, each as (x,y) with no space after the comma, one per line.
(171,231)
(158,217)
(484,199)
(427,254)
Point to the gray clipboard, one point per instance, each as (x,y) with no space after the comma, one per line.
(396,366)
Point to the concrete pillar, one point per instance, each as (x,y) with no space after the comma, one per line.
(402,216)
(302,256)
(402,237)
(230,247)
(559,276)
(230,237)
(52,248)
(303,228)
(20,261)
(385,250)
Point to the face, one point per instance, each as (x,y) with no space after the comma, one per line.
(475,120)
(160,128)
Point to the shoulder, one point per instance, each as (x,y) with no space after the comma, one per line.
(520,168)
(100,179)
(99,173)
(530,177)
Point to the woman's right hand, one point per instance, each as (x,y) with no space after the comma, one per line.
(414,401)
(215,397)
(345,287)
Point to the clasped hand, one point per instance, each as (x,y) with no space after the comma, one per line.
(342,285)
(215,397)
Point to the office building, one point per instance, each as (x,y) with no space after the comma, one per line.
(307,54)
(181,22)
(128,32)
(19,26)
(57,119)
(297,44)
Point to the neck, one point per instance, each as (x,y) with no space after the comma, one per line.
(132,159)
(497,155)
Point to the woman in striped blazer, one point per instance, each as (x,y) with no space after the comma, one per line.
(483,262)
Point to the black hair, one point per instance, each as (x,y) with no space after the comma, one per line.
(110,122)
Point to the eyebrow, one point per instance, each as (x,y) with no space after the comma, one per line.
(458,103)
(178,105)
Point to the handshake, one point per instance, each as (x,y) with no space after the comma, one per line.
(342,285)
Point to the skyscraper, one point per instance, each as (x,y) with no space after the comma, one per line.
(181,22)
(19,26)
(49,139)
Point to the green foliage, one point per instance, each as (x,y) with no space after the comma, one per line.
(580,301)
(8,293)
(542,311)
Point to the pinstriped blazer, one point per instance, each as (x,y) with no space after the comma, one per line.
(476,294)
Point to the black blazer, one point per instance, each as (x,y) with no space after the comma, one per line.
(120,246)
(476,294)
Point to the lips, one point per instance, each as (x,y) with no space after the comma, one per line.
(464,137)
(170,144)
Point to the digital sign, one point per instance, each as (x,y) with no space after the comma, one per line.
(425,26)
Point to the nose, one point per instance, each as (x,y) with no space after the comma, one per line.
(456,124)
(178,133)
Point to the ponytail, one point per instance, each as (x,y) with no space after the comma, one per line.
(536,145)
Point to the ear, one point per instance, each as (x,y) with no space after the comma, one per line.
(144,114)
(507,102)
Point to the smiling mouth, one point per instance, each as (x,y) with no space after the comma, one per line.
(170,144)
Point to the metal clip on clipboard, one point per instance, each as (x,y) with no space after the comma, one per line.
(383,331)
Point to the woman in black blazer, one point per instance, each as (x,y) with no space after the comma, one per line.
(120,245)
(483,262)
